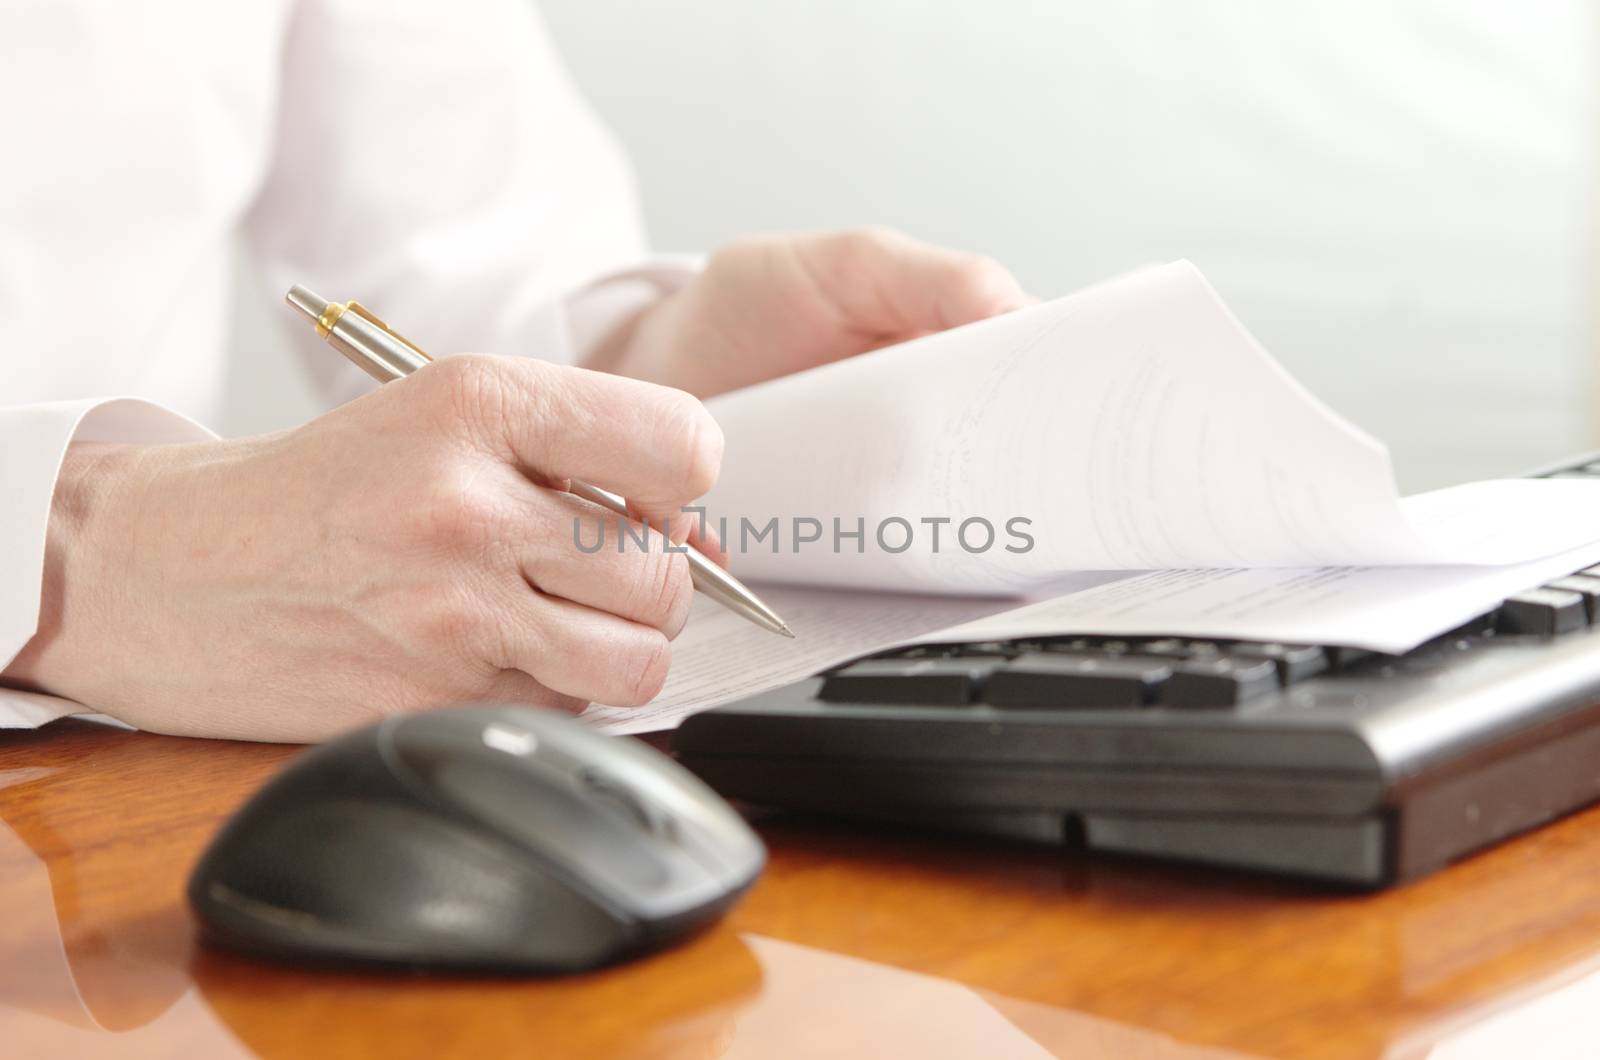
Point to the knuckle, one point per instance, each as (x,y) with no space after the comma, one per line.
(462,515)
(464,371)
(489,638)
(516,686)
(472,386)
(856,249)
(664,591)
(979,271)
(861,252)
(553,401)
(490,642)
(693,439)
(566,704)
(875,235)
(989,284)
(645,668)
(678,597)
(737,252)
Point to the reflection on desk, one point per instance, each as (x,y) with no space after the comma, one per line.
(856,942)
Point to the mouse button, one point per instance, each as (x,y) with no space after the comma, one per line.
(702,822)
(506,753)
(727,849)
(489,735)
(548,815)
(650,815)
(710,844)
(611,836)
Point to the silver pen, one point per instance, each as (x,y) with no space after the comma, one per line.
(382,353)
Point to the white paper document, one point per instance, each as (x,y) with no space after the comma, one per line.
(1135,426)
(1387,609)
(721,658)
(1140,432)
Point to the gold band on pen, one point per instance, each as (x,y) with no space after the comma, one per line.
(330,316)
(372,318)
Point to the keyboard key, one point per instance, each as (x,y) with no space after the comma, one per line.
(1476,626)
(938,682)
(921,651)
(1586,586)
(1542,613)
(1344,658)
(1001,649)
(1076,681)
(1224,682)
(1295,662)
(1166,647)
(1076,646)
(1178,648)
(1068,645)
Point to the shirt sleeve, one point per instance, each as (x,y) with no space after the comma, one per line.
(33,440)
(439,166)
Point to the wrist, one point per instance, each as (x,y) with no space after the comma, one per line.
(47,662)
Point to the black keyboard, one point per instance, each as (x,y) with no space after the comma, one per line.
(1347,765)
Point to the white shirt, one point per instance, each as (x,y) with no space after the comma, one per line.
(431,159)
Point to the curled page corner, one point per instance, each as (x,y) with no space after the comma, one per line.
(1135,425)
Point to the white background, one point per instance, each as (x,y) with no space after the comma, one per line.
(1395,195)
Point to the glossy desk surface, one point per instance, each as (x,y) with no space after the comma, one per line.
(853,944)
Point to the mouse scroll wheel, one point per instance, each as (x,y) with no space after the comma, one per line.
(651,818)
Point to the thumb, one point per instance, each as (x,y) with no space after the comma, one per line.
(913,287)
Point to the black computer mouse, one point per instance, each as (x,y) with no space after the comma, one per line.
(475,839)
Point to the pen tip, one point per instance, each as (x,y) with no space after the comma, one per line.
(786,631)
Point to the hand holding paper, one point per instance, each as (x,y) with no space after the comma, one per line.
(1138,428)
(1135,425)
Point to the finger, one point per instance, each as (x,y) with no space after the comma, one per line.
(656,446)
(580,652)
(704,539)
(516,687)
(902,285)
(688,526)
(607,562)
(691,527)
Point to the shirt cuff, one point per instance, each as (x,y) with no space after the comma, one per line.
(582,320)
(33,441)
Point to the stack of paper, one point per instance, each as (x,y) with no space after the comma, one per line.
(1132,427)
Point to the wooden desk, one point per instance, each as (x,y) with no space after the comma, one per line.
(854,943)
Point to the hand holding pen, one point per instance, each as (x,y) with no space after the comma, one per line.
(384,354)
(407,551)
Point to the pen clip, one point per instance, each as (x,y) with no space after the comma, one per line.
(371,318)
